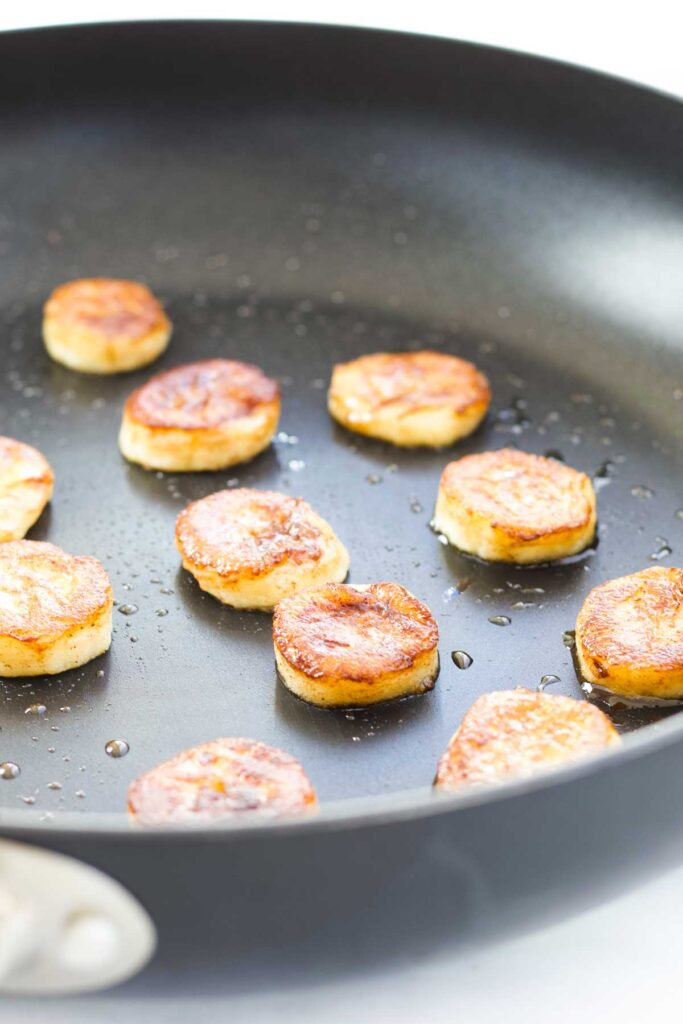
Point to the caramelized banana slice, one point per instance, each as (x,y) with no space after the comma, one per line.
(219,780)
(510,506)
(347,646)
(200,416)
(252,548)
(629,634)
(55,609)
(514,733)
(26,483)
(102,325)
(409,398)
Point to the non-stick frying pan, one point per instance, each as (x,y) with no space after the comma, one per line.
(298,196)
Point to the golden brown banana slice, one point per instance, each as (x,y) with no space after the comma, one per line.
(511,506)
(26,483)
(222,780)
(515,733)
(200,416)
(104,325)
(55,609)
(347,646)
(252,548)
(409,398)
(629,634)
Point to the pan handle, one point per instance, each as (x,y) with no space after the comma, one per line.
(64,926)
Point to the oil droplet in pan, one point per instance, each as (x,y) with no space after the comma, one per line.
(461,659)
(128,609)
(35,709)
(663,551)
(9,770)
(514,419)
(117,748)
(547,680)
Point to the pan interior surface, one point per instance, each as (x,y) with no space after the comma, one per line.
(299,196)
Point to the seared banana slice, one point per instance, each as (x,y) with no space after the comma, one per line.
(220,780)
(55,609)
(409,398)
(510,506)
(252,548)
(629,634)
(102,325)
(514,733)
(200,416)
(347,646)
(26,483)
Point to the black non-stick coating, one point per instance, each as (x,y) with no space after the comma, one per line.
(299,196)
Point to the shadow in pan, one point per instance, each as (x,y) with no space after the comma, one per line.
(175,490)
(86,686)
(531,582)
(340,725)
(41,528)
(250,628)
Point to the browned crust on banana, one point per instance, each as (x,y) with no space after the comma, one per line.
(243,533)
(342,632)
(35,467)
(515,733)
(202,396)
(222,779)
(415,380)
(26,486)
(111,308)
(526,496)
(633,622)
(47,593)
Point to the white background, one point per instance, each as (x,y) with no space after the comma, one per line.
(621,961)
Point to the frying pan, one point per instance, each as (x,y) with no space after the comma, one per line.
(300,195)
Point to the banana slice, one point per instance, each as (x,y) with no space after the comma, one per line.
(200,416)
(219,780)
(629,634)
(26,483)
(515,733)
(103,325)
(347,646)
(252,548)
(510,506)
(55,609)
(409,398)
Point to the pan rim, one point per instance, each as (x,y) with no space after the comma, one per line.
(363,811)
(351,812)
(344,27)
